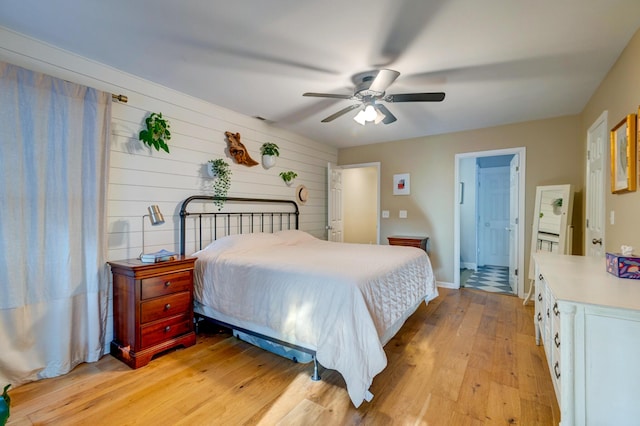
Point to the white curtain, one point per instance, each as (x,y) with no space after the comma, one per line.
(53,190)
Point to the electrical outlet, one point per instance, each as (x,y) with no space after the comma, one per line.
(403,214)
(385,214)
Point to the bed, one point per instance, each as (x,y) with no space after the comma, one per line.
(339,303)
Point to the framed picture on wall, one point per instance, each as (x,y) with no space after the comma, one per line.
(401,184)
(623,156)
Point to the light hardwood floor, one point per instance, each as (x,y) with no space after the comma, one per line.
(468,358)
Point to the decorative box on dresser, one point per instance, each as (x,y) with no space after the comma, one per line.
(408,240)
(152,308)
(589,323)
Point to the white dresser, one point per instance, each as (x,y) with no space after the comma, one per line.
(589,323)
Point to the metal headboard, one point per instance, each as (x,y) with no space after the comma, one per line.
(238,221)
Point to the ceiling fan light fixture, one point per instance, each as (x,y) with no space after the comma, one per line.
(359,118)
(369,114)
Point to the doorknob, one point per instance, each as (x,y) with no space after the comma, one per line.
(596,241)
(328,227)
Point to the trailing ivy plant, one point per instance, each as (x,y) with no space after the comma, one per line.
(221,172)
(157,132)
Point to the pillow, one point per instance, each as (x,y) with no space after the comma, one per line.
(294,236)
(239,242)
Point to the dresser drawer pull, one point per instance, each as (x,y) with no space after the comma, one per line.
(539,316)
(539,297)
(556,370)
(167,284)
(540,277)
(556,311)
(167,329)
(547,312)
(556,340)
(167,306)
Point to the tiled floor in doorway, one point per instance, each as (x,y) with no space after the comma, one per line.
(490,278)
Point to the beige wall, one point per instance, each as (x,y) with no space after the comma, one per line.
(554,155)
(619,94)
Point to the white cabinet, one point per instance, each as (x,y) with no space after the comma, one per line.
(589,324)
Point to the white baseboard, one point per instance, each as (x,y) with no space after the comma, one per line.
(444,284)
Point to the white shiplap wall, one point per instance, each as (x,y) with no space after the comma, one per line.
(140,177)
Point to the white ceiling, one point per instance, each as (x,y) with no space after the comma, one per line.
(499,61)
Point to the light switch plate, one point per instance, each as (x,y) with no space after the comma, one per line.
(385,214)
(403,214)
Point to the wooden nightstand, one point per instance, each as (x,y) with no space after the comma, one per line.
(152,308)
(404,240)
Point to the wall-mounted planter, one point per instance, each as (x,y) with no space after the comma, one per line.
(269,152)
(268,161)
(289,177)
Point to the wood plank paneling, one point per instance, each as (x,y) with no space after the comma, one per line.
(140,176)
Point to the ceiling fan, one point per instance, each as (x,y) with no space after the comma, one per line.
(371,88)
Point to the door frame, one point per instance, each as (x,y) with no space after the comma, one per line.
(521,151)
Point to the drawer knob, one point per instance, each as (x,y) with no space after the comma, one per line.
(556,311)
(548,313)
(167,328)
(539,297)
(167,284)
(556,340)
(539,316)
(556,370)
(167,306)
(540,277)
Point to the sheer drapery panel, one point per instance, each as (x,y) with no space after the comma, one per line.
(53,189)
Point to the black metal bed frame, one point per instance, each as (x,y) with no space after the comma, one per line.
(266,222)
(284,217)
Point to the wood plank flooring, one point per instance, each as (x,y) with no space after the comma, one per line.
(468,358)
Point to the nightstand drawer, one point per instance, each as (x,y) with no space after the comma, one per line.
(166,284)
(167,306)
(160,331)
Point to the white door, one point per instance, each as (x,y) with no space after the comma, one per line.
(596,157)
(493,199)
(514,187)
(334,204)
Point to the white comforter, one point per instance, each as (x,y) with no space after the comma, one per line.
(341,300)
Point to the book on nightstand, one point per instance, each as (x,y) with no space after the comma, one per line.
(159,256)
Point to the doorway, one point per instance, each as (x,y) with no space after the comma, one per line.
(354,203)
(488,238)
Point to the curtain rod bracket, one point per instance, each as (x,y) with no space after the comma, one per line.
(121,98)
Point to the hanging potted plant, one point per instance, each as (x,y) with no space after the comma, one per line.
(557,206)
(269,153)
(220,171)
(157,132)
(288,177)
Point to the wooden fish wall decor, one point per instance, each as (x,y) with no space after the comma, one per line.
(238,151)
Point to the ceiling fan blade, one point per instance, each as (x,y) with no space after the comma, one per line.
(341,112)
(416,97)
(327,95)
(388,117)
(383,80)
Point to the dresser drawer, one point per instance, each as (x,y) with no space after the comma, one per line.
(166,284)
(161,307)
(159,331)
